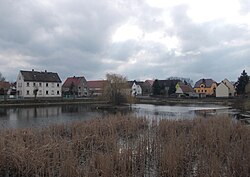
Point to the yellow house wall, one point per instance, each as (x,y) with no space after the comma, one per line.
(207,91)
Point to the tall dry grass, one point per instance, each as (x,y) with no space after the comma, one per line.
(128,146)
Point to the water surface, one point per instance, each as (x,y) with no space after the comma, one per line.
(22,117)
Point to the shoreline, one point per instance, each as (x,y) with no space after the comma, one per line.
(242,104)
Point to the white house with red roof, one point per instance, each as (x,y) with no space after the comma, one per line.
(76,86)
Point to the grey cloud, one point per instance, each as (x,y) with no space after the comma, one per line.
(74,37)
(245,6)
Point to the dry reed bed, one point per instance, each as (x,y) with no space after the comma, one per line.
(128,146)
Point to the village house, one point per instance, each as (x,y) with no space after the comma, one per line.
(76,86)
(205,87)
(225,89)
(96,87)
(136,87)
(185,90)
(40,84)
(5,88)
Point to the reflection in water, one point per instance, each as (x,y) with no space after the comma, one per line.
(180,112)
(43,116)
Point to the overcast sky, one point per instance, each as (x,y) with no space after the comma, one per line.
(140,39)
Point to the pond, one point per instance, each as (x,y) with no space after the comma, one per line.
(37,116)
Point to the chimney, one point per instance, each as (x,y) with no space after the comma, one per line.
(45,71)
(32,70)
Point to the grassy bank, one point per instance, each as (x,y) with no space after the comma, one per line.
(44,102)
(128,146)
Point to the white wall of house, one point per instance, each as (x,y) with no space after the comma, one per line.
(222,90)
(231,87)
(45,89)
(179,90)
(136,89)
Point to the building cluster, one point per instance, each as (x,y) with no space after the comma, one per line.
(46,84)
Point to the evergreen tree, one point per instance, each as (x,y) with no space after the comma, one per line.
(172,89)
(156,88)
(242,82)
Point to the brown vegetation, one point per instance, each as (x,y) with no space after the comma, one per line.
(128,146)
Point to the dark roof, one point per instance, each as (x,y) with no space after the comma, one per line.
(75,80)
(130,83)
(167,83)
(36,76)
(186,88)
(207,82)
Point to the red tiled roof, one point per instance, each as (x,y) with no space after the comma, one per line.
(74,80)
(4,85)
(96,84)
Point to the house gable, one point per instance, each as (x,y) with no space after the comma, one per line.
(222,90)
(205,86)
(76,86)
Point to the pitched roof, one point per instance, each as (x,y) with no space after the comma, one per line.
(167,83)
(207,82)
(186,88)
(150,82)
(96,84)
(130,83)
(75,80)
(37,76)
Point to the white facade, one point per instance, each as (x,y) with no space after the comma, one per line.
(26,89)
(136,89)
(222,90)
(225,89)
(231,87)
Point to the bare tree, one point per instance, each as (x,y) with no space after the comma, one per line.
(1,77)
(115,89)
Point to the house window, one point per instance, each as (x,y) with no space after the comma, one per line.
(79,88)
(58,85)
(47,84)
(205,90)
(19,84)
(34,84)
(40,84)
(52,92)
(58,92)
(28,84)
(47,92)
(28,92)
